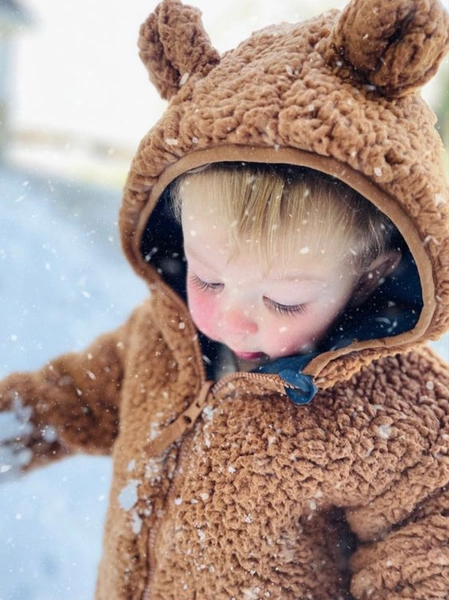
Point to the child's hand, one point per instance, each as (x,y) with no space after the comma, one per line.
(15,430)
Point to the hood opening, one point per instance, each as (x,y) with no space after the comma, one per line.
(396,315)
(392,309)
(162,247)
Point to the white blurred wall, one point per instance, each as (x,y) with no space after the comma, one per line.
(77,67)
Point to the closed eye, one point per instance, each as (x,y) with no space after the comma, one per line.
(285,310)
(205,286)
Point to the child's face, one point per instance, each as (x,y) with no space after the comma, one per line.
(259,315)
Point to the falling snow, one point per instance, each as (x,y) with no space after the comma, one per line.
(73,491)
(44,312)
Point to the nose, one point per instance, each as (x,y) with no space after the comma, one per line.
(238,321)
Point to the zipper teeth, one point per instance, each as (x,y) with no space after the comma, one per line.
(214,389)
(183,450)
(264,378)
(182,453)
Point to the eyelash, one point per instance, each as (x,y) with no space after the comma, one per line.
(282,309)
(204,286)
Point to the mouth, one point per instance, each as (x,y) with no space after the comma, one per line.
(250,356)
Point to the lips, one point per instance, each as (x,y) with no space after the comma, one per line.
(251,356)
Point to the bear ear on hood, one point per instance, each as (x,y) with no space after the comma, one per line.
(173,45)
(395,45)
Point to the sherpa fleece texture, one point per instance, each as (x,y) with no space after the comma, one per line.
(289,94)
(231,491)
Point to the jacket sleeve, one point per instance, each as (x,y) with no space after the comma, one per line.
(70,405)
(411,562)
(405,554)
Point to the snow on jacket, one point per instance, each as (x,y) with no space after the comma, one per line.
(322,476)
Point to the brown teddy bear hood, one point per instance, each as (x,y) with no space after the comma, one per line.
(338,93)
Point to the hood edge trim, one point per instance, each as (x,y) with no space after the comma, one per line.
(330,166)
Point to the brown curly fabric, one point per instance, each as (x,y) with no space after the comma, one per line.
(174,46)
(344,498)
(279,98)
(263,499)
(396,46)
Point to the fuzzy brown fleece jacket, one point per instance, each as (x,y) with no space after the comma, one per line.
(257,501)
(227,489)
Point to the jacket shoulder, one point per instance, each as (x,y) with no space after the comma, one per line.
(417,376)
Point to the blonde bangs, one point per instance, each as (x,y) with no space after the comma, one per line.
(273,212)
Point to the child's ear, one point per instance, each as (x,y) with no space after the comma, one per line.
(374,275)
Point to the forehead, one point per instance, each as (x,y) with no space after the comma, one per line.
(205,219)
(208,247)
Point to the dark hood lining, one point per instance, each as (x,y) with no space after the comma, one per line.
(162,247)
(394,308)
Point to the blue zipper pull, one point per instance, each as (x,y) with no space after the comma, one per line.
(303,390)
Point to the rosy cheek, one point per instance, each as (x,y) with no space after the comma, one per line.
(290,337)
(289,342)
(201,306)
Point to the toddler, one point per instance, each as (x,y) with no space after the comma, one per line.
(275,254)
(277,425)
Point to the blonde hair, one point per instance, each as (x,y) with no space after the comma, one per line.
(279,209)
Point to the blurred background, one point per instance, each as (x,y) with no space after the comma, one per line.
(74,103)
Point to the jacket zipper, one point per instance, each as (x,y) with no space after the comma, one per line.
(186,421)
(183,424)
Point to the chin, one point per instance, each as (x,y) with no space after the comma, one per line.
(303,349)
